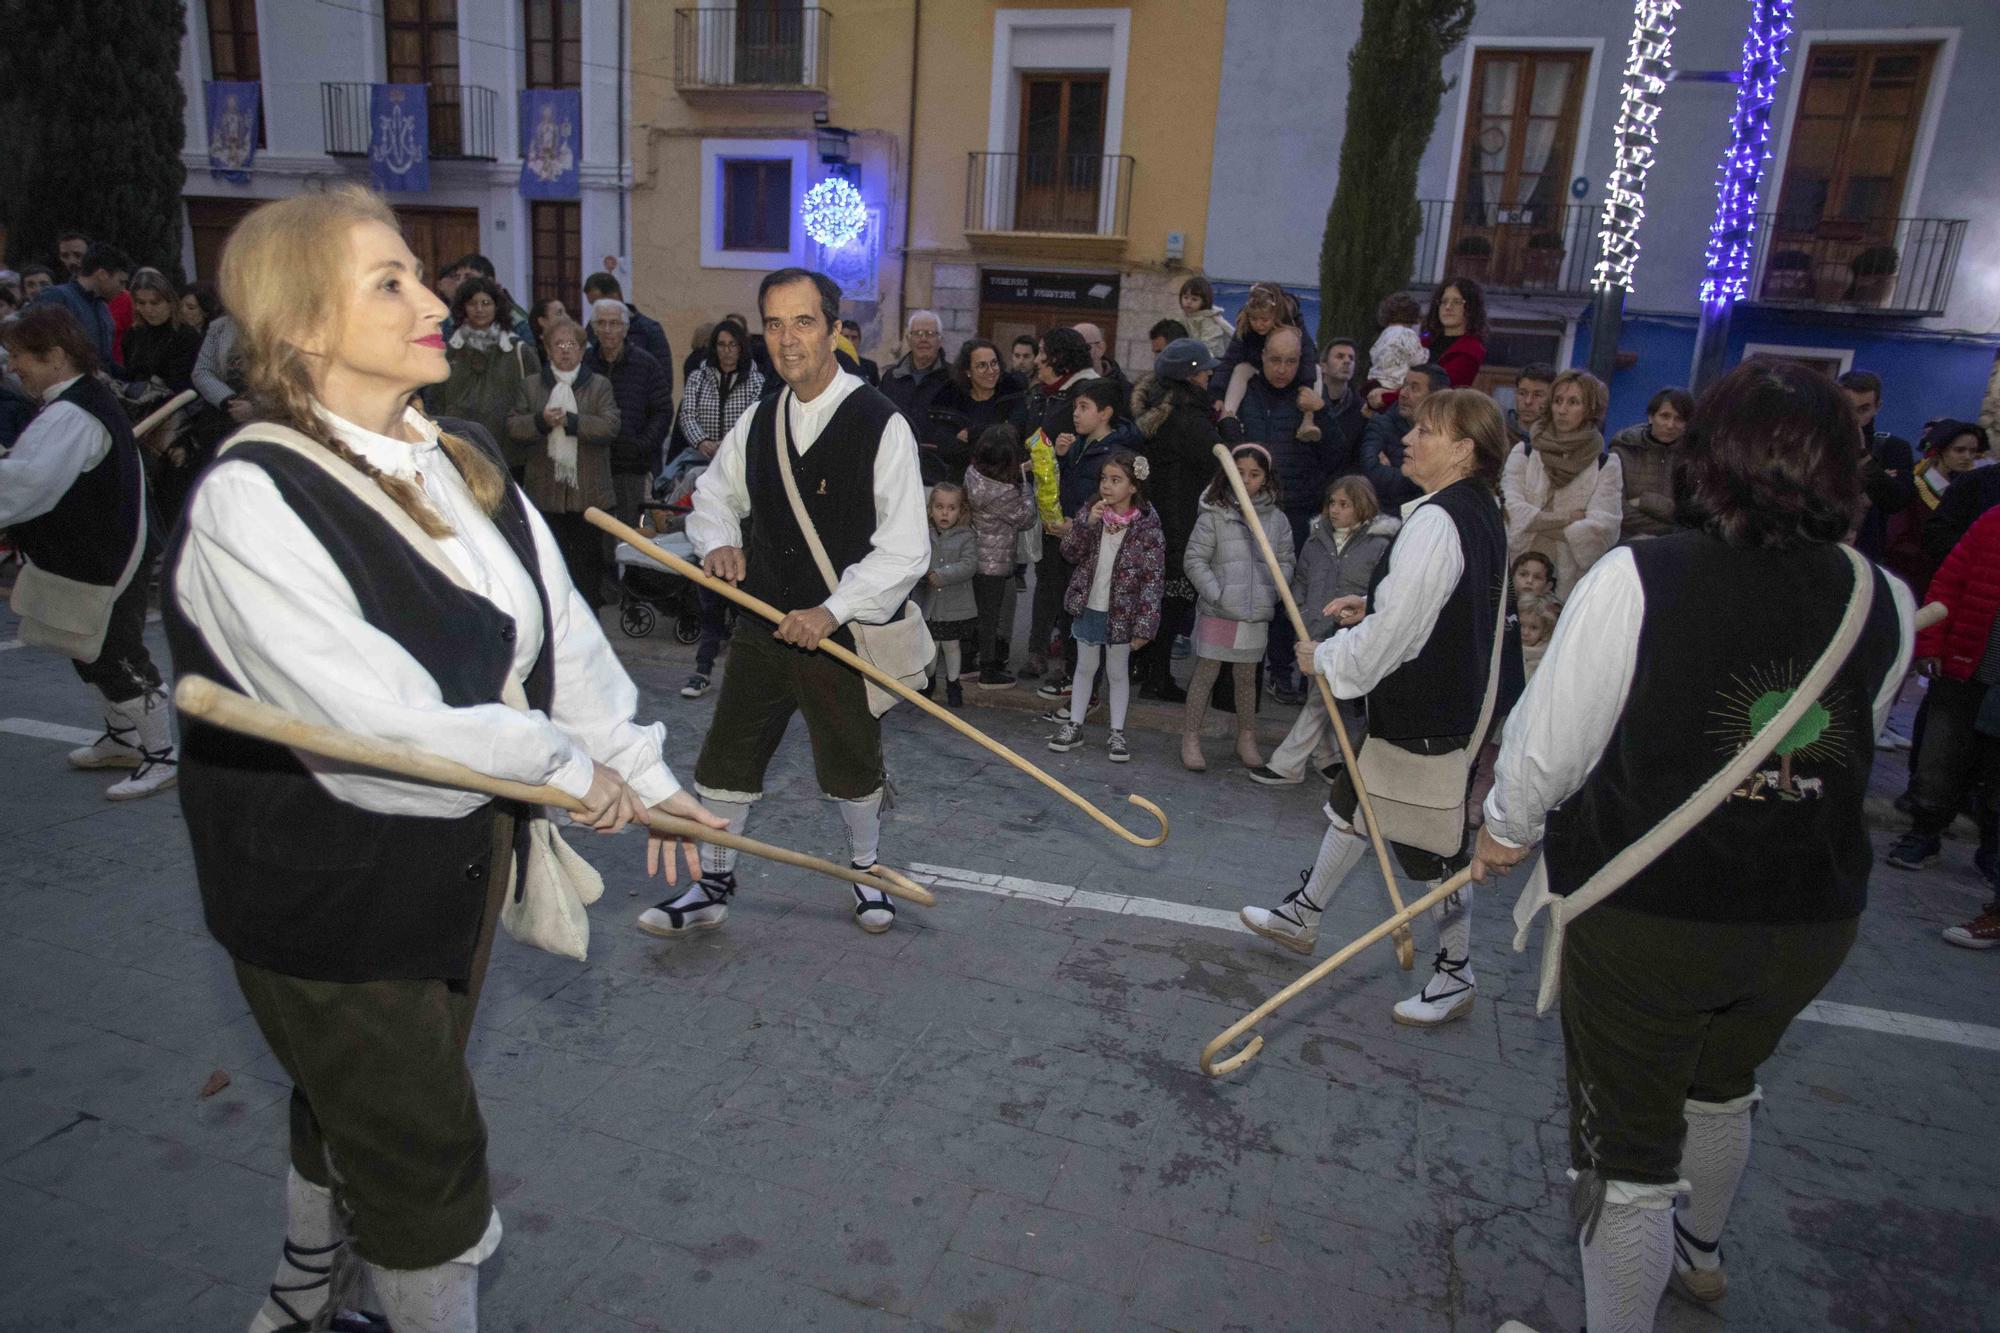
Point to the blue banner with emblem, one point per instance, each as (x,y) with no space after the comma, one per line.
(233,109)
(399,140)
(551,136)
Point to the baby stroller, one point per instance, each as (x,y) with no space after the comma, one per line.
(647,590)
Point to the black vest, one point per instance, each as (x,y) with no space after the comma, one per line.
(836,480)
(1439,692)
(1727,634)
(293,879)
(89,535)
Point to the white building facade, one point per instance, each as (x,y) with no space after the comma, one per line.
(314,64)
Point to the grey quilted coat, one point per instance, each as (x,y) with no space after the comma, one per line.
(954,559)
(1226,567)
(1326,571)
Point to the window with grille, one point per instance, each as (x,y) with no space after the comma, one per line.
(757,204)
(232,48)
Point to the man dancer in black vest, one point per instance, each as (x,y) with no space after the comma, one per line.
(854,460)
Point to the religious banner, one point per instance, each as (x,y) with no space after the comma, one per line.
(233,109)
(399,136)
(551,130)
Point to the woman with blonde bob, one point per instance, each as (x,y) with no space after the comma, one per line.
(1418,647)
(1565,496)
(352,561)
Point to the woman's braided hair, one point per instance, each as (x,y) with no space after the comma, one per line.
(285,276)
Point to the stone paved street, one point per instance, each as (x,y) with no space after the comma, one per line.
(989,1118)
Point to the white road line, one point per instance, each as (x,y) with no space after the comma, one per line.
(1063,895)
(47,731)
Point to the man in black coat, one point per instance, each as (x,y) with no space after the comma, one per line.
(645,394)
(1343,402)
(1888,464)
(640,329)
(914,383)
(1382,441)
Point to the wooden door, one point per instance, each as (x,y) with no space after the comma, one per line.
(209,223)
(1520,137)
(439,235)
(1002,324)
(1061,168)
(1850,151)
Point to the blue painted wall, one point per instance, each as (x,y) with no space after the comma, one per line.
(1923,375)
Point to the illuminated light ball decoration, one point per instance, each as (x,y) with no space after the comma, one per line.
(833,212)
(1732,235)
(1648,61)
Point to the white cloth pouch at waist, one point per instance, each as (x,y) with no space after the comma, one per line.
(1418,799)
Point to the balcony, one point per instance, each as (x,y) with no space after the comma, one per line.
(1900,267)
(1049,203)
(755,50)
(1531,249)
(462,120)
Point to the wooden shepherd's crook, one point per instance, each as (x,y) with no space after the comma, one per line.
(167,409)
(1400,921)
(198,696)
(1406,945)
(645,546)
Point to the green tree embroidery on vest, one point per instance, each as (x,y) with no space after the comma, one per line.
(1812,725)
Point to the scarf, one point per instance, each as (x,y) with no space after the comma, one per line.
(1565,455)
(562,446)
(1117,522)
(482,340)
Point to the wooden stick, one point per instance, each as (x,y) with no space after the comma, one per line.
(1400,921)
(1406,945)
(172,405)
(1930,613)
(198,696)
(645,546)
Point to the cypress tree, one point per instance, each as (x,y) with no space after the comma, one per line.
(91,96)
(1395,86)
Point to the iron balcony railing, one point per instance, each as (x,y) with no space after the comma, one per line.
(463,119)
(1888,266)
(1531,248)
(1076,194)
(751,48)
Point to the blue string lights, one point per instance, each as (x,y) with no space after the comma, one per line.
(1648,61)
(833,212)
(1732,236)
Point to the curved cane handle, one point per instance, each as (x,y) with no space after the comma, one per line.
(1150,809)
(1215,1069)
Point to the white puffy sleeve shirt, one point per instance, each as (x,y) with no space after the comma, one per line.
(61,444)
(280,617)
(1424,567)
(872,589)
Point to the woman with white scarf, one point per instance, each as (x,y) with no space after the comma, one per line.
(568,417)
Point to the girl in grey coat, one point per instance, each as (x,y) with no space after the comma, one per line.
(1347,541)
(1236,598)
(950,610)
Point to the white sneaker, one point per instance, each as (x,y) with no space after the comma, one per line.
(1293,923)
(703,907)
(157,769)
(1447,995)
(118,747)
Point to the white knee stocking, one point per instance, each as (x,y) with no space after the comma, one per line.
(722,860)
(1713,1156)
(1339,852)
(1454,926)
(444,1299)
(1626,1259)
(312,1241)
(864,828)
(952,660)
